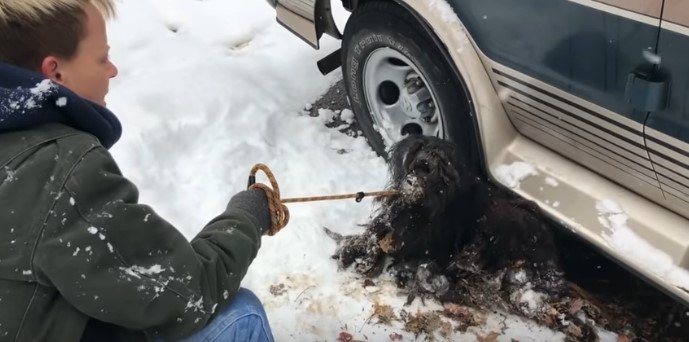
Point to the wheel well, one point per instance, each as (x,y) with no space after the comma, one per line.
(477,147)
(350,5)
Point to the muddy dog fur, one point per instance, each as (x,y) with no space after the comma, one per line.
(444,210)
(456,237)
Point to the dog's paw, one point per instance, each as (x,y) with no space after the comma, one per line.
(420,279)
(363,251)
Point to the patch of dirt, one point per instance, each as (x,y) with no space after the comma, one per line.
(336,99)
(278,290)
(394,337)
(384,313)
(464,316)
(490,337)
(427,323)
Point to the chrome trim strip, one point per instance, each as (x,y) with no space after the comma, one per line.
(648,176)
(561,96)
(667,173)
(669,183)
(591,132)
(668,154)
(600,129)
(623,123)
(660,160)
(573,152)
(668,141)
(678,198)
(676,193)
(602,146)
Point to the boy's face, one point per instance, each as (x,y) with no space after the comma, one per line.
(88,73)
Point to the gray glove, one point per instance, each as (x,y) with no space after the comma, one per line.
(255,202)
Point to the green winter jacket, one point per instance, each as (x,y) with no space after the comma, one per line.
(79,255)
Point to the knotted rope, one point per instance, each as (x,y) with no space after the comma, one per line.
(279,214)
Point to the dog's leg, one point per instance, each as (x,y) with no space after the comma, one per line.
(361,250)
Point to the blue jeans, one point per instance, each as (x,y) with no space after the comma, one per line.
(244,320)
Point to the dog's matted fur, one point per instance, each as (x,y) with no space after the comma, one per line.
(456,237)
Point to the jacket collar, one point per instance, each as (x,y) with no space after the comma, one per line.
(27,100)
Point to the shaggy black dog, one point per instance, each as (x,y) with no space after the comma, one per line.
(448,221)
(453,236)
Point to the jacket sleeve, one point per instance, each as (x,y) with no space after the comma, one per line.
(121,263)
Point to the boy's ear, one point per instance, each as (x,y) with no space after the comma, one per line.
(50,70)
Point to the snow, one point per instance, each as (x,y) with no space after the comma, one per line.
(445,11)
(629,244)
(61,102)
(551,181)
(202,105)
(326,115)
(136,271)
(521,276)
(504,94)
(42,88)
(512,175)
(38,93)
(347,116)
(651,57)
(442,9)
(11,176)
(532,300)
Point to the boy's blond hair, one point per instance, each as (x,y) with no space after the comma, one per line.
(31,30)
(34,9)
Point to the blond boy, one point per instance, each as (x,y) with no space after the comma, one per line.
(80,258)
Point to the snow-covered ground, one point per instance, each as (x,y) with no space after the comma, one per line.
(209,88)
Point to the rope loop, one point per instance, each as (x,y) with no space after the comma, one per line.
(279,214)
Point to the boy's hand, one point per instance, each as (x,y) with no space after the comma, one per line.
(255,202)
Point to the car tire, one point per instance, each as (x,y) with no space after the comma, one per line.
(382,29)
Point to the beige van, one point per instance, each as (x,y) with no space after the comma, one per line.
(579,105)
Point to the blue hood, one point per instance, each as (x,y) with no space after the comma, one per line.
(28,100)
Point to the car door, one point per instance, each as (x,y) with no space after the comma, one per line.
(667,132)
(561,68)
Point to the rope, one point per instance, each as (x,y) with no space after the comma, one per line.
(279,214)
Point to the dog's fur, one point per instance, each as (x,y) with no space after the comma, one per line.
(449,223)
(454,236)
